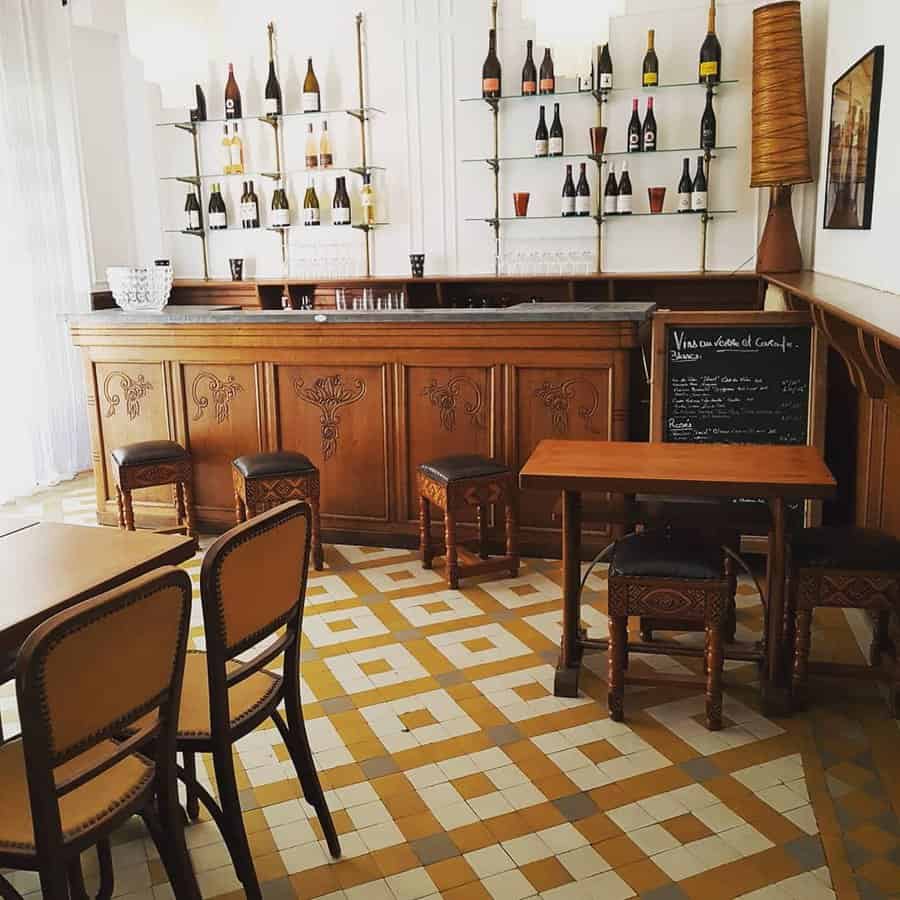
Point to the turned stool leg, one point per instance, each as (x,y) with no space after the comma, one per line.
(425,532)
(482,513)
(121,506)
(646,630)
(450,541)
(316,537)
(180,512)
(802,638)
(730,624)
(188,496)
(715,661)
(512,537)
(618,641)
(880,639)
(128,510)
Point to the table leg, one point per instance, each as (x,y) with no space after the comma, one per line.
(775,685)
(566,681)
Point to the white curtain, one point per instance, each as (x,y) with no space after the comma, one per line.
(44,256)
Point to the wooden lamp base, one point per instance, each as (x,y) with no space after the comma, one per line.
(779,249)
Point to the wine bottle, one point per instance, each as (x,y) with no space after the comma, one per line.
(708,124)
(610,192)
(272,97)
(325,158)
(556,133)
(634,129)
(232,96)
(567,207)
(244,210)
(648,130)
(710,68)
(583,193)
(226,149)
(218,214)
(529,71)
(198,113)
(236,152)
(340,206)
(699,195)
(547,83)
(312,98)
(541,136)
(367,200)
(191,212)
(311,212)
(281,212)
(490,71)
(312,148)
(623,200)
(253,207)
(685,187)
(650,77)
(605,70)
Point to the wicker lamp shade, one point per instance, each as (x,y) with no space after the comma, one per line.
(780,140)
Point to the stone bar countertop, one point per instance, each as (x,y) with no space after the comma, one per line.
(587,311)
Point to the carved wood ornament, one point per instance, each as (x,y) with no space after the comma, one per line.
(558,397)
(223,391)
(446,397)
(133,389)
(328,395)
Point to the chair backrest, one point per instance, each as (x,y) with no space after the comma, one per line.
(90,673)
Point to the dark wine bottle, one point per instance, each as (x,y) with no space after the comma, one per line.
(685,187)
(623,200)
(708,124)
(541,135)
(548,79)
(218,214)
(340,206)
(192,220)
(233,108)
(253,205)
(556,133)
(634,129)
(244,211)
(272,99)
(605,70)
(650,77)
(529,71)
(583,193)
(312,97)
(699,190)
(710,68)
(198,113)
(611,192)
(648,129)
(490,71)
(567,207)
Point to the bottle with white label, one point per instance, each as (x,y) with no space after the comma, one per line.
(367,199)
(252,208)
(623,200)
(583,193)
(191,212)
(605,70)
(699,190)
(272,100)
(567,206)
(611,192)
(325,157)
(556,133)
(312,148)
(281,212)
(236,153)
(218,214)
(312,98)
(244,206)
(541,135)
(226,149)
(311,211)
(685,187)
(340,206)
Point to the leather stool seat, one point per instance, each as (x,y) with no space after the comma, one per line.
(264,465)
(845,548)
(665,554)
(462,467)
(143,452)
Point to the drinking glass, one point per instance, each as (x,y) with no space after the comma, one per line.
(657,197)
(520,202)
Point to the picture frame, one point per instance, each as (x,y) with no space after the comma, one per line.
(853,144)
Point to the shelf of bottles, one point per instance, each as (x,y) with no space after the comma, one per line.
(318,161)
(615,200)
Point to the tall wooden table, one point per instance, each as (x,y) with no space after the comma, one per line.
(49,567)
(777,474)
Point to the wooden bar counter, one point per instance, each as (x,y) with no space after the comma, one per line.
(366,395)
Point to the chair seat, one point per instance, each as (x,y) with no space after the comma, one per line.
(143,452)
(263,465)
(85,807)
(845,548)
(665,554)
(244,699)
(462,468)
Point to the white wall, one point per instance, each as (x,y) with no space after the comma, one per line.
(423,57)
(865,256)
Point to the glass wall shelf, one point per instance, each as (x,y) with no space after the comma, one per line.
(615,90)
(356,112)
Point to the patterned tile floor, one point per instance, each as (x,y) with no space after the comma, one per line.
(452,770)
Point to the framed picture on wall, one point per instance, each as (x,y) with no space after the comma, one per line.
(853,143)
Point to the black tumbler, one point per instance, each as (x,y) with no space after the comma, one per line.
(417,264)
(237,269)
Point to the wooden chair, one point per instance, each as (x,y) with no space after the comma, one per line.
(453,483)
(264,480)
(667,575)
(110,666)
(151,464)
(253,587)
(848,568)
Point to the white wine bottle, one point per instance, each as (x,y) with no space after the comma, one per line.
(311,212)
(312,148)
(312,97)
(236,153)
(281,212)
(325,157)
(367,200)
(226,149)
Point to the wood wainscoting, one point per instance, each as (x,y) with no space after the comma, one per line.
(366,402)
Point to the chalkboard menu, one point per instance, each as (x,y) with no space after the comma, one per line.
(737,384)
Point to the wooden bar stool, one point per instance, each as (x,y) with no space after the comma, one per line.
(265,480)
(454,482)
(847,568)
(667,576)
(151,464)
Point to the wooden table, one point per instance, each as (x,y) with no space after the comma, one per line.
(49,567)
(777,474)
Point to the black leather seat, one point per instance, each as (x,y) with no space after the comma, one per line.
(667,554)
(142,452)
(264,465)
(845,548)
(461,468)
